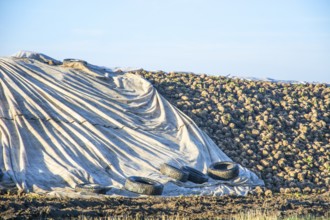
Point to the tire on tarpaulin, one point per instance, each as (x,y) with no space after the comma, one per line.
(223,170)
(174,172)
(143,185)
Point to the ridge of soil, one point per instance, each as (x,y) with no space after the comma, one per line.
(31,206)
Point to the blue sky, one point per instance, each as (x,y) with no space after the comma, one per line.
(288,40)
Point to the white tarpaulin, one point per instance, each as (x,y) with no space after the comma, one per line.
(62,125)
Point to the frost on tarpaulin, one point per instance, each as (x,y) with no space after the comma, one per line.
(63,124)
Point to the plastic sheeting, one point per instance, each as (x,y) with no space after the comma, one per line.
(61,126)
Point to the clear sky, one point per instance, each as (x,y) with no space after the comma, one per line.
(281,39)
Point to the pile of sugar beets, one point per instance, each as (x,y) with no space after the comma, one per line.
(281,131)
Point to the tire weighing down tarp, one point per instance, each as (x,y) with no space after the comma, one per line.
(67,124)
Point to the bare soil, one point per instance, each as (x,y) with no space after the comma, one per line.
(197,207)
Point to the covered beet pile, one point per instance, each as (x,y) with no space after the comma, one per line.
(72,123)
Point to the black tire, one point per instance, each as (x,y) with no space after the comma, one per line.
(1,174)
(91,187)
(223,170)
(174,172)
(195,176)
(74,60)
(142,185)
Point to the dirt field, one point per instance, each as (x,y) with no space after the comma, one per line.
(276,206)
